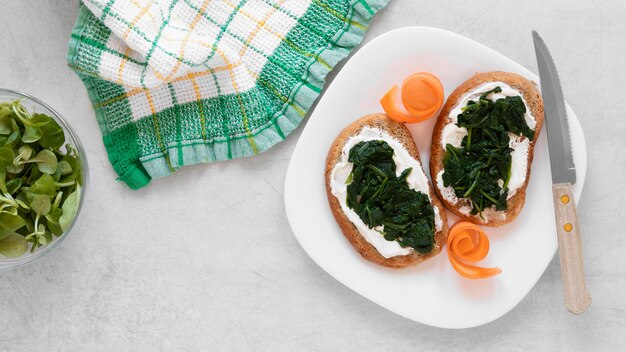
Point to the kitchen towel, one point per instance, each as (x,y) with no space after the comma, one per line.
(180,82)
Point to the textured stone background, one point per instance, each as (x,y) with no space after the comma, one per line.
(193,263)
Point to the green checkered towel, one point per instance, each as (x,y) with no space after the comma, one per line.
(180,82)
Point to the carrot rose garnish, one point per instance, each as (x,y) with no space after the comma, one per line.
(468,243)
(421,95)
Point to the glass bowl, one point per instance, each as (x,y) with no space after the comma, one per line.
(33,104)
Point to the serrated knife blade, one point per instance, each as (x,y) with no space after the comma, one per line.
(557,125)
(577,298)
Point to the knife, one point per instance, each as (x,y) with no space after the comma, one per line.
(577,298)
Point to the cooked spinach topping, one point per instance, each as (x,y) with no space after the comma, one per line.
(381,198)
(484,157)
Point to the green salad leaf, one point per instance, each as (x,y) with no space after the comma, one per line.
(383,199)
(10,223)
(31,134)
(46,161)
(6,157)
(70,208)
(5,121)
(53,136)
(44,185)
(480,169)
(40,184)
(41,204)
(13,245)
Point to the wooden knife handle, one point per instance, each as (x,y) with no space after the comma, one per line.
(577,298)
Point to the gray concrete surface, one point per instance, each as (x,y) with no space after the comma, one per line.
(193,263)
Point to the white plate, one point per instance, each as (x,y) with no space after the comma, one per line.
(431,293)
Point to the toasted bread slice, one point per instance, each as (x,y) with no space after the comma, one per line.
(367,250)
(534,103)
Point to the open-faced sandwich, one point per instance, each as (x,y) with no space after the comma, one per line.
(482,147)
(380,195)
